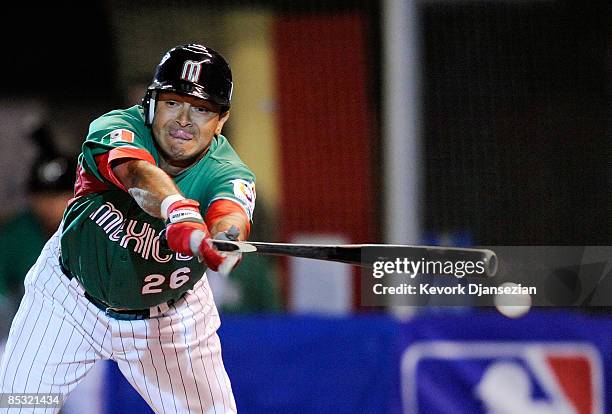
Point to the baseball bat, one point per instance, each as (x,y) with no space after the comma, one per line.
(352,253)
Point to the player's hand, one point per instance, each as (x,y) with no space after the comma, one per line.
(187,233)
(230,234)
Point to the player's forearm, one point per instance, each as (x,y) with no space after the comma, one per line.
(146,183)
(232,219)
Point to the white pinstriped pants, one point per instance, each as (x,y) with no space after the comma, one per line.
(173,360)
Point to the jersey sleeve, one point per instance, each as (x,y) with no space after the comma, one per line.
(234,183)
(113,136)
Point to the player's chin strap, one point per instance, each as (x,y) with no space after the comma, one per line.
(151,106)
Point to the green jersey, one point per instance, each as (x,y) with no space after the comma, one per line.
(21,240)
(112,246)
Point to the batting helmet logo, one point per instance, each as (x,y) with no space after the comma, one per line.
(191,71)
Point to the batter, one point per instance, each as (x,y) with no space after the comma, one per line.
(124,276)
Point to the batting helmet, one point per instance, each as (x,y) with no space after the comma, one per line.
(52,171)
(193,70)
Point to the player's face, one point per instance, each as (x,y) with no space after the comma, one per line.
(184,126)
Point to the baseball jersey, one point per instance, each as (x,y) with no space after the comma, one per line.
(111,245)
(21,240)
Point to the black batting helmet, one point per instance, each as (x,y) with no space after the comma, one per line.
(193,70)
(52,172)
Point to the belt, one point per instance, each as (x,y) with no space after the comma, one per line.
(121,314)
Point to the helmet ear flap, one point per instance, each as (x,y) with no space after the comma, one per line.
(148,103)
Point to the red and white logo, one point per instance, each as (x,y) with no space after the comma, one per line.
(191,71)
(485,377)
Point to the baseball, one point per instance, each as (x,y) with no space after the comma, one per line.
(512,306)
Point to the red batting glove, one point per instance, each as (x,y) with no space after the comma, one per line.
(187,233)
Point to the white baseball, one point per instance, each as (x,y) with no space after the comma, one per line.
(512,306)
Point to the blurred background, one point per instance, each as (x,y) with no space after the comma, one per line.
(365,121)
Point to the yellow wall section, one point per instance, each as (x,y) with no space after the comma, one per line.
(253,129)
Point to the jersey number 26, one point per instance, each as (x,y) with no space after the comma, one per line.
(177,279)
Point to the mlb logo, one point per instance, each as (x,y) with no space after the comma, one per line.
(492,377)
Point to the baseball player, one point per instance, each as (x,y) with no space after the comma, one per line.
(124,276)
